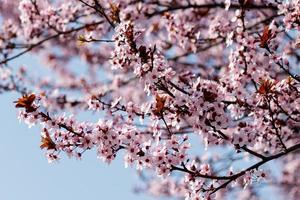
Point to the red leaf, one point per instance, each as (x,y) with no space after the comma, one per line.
(265,38)
(47,142)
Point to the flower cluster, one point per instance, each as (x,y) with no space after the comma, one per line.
(198,95)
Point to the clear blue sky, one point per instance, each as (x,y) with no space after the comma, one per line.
(25,173)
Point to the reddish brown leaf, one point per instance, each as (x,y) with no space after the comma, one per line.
(115,12)
(47,142)
(265,38)
(160,104)
(26,102)
(266,87)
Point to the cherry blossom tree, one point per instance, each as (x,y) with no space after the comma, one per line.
(202,97)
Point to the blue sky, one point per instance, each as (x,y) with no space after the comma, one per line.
(25,173)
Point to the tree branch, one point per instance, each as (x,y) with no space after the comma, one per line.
(47,39)
(256,166)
